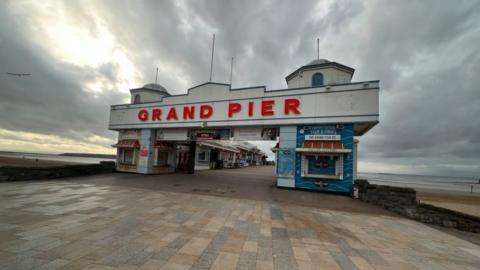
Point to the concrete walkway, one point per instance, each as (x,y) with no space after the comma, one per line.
(254,183)
(77,224)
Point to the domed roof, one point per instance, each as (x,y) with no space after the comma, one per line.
(156,87)
(317,62)
(320,64)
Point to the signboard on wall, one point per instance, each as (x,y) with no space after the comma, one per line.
(143,156)
(322,137)
(255,134)
(210,134)
(320,130)
(172,135)
(128,135)
(144,152)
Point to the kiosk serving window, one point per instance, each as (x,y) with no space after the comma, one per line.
(127,149)
(322,156)
(126,156)
(322,166)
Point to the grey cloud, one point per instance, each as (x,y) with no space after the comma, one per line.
(425,54)
(51,100)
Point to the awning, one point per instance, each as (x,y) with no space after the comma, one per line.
(220,147)
(164,145)
(275,148)
(127,144)
(323,147)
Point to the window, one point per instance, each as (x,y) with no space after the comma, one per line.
(317,79)
(322,166)
(203,156)
(136,99)
(162,158)
(126,156)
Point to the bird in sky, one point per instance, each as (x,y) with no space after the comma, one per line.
(18,74)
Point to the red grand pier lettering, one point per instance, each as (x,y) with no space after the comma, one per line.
(267,107)
(142,115)
(291,105)
(206,111)
(234,107)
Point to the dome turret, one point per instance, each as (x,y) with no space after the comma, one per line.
(318,73)
(156,87)
(148,93)
(317,62)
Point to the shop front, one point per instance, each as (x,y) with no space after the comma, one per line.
(324,157)
(315,121)
(128,147)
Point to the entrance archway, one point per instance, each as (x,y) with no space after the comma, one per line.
(316,125)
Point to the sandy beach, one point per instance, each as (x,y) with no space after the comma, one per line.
(27,162)
(468,203)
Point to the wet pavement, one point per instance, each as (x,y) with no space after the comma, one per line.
(109,222)
(254,183)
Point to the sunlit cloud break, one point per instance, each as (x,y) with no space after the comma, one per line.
(85,56)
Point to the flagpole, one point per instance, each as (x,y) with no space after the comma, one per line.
(231,72)
(211,62)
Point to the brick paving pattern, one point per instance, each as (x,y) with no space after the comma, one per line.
(67,225)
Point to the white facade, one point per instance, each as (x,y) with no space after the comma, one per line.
(316,118)
(346,103)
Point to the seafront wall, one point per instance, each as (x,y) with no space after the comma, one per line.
(33,173)
(404,202)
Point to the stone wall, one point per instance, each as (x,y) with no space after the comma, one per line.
(404,202)
(32,173)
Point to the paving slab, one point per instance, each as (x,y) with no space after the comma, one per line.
(64,224)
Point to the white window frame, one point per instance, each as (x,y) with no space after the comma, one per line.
(121,156)
(338,166)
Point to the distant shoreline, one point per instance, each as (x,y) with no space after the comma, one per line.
(34,159)
(88,155)
(421,175)
(29,162)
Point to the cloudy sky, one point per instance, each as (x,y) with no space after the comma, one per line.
(86,55)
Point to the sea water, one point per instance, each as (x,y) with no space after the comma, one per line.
(53,157)
(449,183)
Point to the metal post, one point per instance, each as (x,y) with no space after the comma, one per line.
(211,62)
(191,161)
(231,72)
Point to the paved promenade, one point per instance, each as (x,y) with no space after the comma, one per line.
(67,224)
